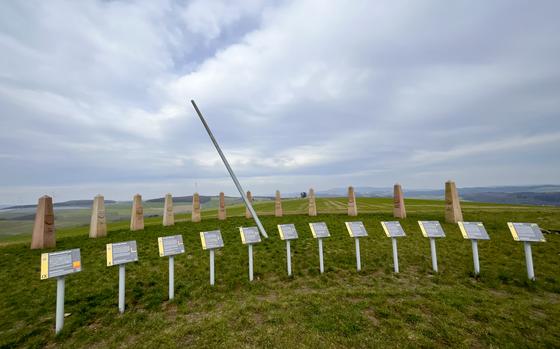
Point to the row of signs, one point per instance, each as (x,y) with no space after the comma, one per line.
(57,264)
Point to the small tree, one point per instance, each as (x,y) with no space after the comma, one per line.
(303,195)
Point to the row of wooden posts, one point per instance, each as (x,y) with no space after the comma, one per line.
(44,229)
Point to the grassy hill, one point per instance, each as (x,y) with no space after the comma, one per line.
(341,308)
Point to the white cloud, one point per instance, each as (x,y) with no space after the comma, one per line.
(296,92)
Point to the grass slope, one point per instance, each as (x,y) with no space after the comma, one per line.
(342,308)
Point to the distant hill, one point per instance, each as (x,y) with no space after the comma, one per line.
(525,195)
(177,199)
(71,203)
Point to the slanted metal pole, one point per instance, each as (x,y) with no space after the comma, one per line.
(358,261)
(475,257)
(59,304)
(288,257)
(233,177)
(171,278)
(250,262)
(121,287)
(529,260)
(434,255)
(395,255)
(212,267)
(321,266)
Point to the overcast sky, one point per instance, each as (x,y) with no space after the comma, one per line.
(94,95)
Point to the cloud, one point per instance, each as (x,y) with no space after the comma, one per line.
(297,93)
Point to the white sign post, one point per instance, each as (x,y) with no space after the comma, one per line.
(250,236)
(357,230)
(394,230)
(211,240)
(60,264)
(119,254)
(288,232)
(320,231)
(527,233)
(432,230)
(474,231)
(169,246)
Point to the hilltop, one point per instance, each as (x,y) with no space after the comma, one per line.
(341,308)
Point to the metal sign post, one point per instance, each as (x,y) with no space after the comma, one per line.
(358,261)
(122,275)
(288,258)
(212,267)
(529,260)
(434,254)
(321,266)
(171,278)
(395,255)
(59,304)
(475,256)
(250,247)
(228,167)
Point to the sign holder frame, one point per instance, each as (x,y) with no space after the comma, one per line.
(356,242)
(288,247)
(249,242)
(165,253)
(122,268)
(527,247)
(74,267)
(433,250)
(474,241)
(320,244)
(389,233)
(211,251)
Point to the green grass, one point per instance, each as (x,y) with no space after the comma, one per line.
(341,308)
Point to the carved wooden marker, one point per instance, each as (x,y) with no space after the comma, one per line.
(137,216)
(195,216)
(43,230)
(453,212)
(98,225)
(222,215)
(352,207)
(278,205)
(399,210)
(168,216)
(311,200)
(250,199)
